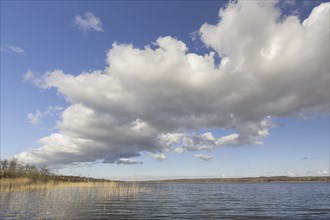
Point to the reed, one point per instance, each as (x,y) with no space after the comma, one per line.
(21,184)
(18,177)
(107,189)
(23,199)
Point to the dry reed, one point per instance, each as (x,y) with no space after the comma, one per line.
(110,188)
(23,199)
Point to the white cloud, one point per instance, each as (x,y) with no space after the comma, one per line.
(249,133)
(290,173)
(12,48)
(28,75)
(88,22)
(32,77)
(157,99)
(16,49)
(322,172)
(159,157)
(318,173)
(36,118)
(204,157)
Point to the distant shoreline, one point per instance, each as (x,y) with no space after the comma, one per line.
(246,180)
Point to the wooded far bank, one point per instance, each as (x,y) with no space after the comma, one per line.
(249,179)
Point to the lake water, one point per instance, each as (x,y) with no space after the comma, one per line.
(175,201)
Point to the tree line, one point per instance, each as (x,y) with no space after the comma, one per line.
(251,179)
(14,169)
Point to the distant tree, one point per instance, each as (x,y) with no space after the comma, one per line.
(4,164)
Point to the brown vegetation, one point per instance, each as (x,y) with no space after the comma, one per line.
(10,169)
(16,176)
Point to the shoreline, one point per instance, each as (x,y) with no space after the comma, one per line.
(22,184)
(272,179)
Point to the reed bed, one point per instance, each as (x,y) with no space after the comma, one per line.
(23,199)
(22,184)
(108,188)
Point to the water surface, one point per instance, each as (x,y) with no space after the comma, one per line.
(175,201)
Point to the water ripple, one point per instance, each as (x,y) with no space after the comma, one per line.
(175,201)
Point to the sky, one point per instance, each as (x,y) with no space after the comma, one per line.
(166,89)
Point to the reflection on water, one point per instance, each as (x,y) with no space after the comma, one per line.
(167,201)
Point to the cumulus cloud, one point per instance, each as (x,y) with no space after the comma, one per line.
(204,157)
(34,78)
(159,157)
(249,133)
(88,22)
(158,99)
(36,118)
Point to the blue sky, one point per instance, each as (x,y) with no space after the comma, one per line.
(179,92)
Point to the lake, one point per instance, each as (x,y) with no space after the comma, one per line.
(309,200)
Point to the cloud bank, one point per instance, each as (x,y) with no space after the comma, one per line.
(158,98)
